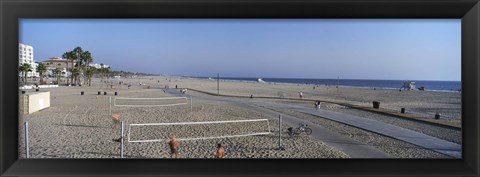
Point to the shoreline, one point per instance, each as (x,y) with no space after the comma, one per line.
(310,84)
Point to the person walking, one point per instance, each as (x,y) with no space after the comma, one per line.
(173,144)
(220,151)
(301,95)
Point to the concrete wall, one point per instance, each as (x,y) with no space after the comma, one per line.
(23,101)
(39,86)
(33,102)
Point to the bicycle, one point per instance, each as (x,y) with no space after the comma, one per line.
(302,128)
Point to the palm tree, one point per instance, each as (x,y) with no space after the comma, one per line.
(87,58)
(89,73)
(107,72)
(70,57)
(25,68)
(80,61)
(41,69)
(101,70)
(78,52)
(57,73)
(75,73)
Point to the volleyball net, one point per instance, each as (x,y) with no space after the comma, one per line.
(146,102)
(185,131)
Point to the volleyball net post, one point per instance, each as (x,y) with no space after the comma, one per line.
(122,141)
(110,104)
(27,153)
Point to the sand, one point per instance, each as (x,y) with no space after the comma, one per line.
(427,103)
(80,126)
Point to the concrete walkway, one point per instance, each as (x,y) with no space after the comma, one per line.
(416,138)
(351,147)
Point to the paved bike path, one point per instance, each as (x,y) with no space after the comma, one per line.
(351,147)
(410,136)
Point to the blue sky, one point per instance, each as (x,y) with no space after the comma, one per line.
(319,48)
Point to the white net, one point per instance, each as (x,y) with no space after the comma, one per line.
(146,102)
(184,131)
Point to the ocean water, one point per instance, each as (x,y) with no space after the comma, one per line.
(384,84)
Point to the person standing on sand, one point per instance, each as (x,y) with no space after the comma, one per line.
(173,146)
(116,124)
(316,105)
(220,151)
(115,119)
(301,94)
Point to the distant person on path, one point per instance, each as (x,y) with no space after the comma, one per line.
(301,94)
(316,105)
(173,146)
(220,151)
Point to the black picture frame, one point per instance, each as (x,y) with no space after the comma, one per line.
(466,10)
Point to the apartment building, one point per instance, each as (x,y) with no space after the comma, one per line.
(25,55)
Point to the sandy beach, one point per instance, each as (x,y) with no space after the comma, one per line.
(80,126)
(448,104)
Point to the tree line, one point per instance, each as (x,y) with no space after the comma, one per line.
(78,66)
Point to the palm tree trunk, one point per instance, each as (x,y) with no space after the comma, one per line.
(25,78)
(85,69)
(77,82)
(67,73)
(71,74)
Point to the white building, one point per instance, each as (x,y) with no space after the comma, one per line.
(25,55)
(60,63)
(98,66)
